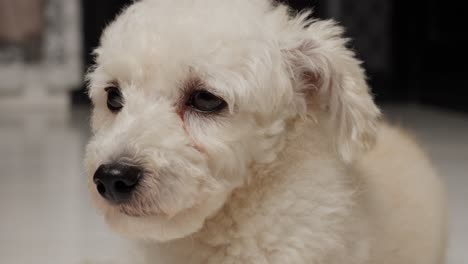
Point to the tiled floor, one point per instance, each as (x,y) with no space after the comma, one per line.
(46,217)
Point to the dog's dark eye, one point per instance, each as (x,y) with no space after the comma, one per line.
(114,99)
(206,102)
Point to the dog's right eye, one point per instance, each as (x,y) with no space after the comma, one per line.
(206,102)
(114,99)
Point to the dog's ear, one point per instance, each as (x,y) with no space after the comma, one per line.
(325,71)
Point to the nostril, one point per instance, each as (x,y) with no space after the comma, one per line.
(101,188)
(124,187)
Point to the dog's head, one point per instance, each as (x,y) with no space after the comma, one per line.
(189,96)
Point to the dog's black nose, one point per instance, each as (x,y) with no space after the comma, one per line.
(116,182)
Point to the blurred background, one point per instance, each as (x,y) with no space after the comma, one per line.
(414,52)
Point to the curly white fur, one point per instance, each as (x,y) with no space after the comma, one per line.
(296,170)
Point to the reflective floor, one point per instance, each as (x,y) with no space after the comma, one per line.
(46,217)
(45,212)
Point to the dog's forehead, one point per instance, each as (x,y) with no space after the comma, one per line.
(164,38)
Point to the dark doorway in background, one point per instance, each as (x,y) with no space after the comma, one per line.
(96,15)
(430,54)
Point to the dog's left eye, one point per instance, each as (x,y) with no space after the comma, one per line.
(114,99)
(206,102)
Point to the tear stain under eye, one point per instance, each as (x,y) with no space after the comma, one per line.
(193,143)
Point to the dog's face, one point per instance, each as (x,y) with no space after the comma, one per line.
(188,99)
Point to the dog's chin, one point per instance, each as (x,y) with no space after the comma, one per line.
(161,227)
(152,227)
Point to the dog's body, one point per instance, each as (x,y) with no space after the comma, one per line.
(250,137)
(387,208)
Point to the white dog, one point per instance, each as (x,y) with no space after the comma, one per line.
(233,131)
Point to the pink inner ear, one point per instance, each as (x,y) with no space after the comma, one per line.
(302,59)
(311,81)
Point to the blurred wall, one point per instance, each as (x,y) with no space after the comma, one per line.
(40,43)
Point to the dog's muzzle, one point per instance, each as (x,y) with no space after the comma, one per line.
(116,182)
